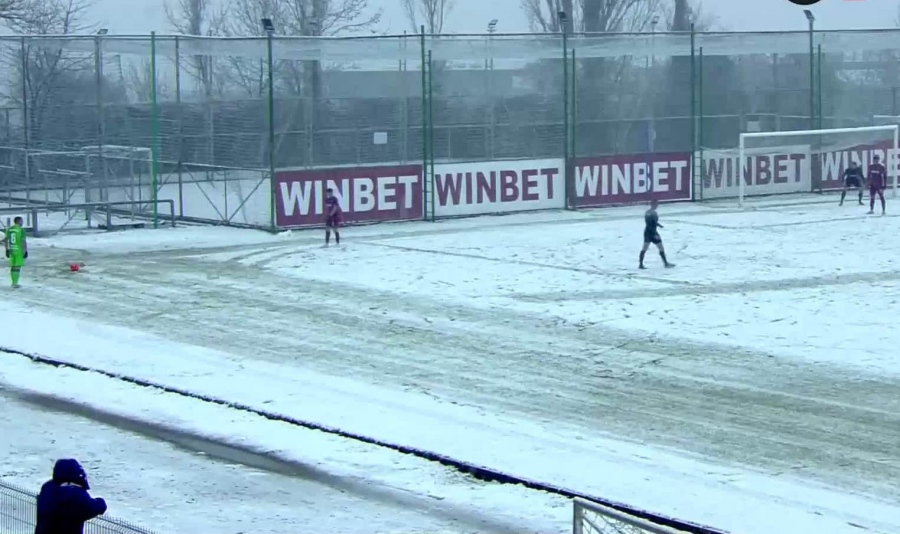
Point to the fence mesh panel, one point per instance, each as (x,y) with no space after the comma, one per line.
(632,93)
(333,96)
(18,515)
(497,97)
(860,76)
(12,120)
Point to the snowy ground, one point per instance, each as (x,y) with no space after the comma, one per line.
(174,489)
(752,388)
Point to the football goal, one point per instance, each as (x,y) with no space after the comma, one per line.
(593,518)
(801,161)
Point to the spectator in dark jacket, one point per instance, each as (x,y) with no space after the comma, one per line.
(64,503)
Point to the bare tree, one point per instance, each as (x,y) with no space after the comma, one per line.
(12,9)
(197,17)
(680,15)
(138,79)
(429,13)
(306,18)
(543,15)
(594,16)
(48,74)
(619,15)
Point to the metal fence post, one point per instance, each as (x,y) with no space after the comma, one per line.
(154,146)
(819,97)
(426,127)
(180,111)
(574,125)
(101,125)
(271,119)
(26,118)
(812,76)
(568,179)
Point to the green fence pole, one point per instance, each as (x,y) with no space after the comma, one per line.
(701,116)
(812,77)
(154,148)
(426,131)
(819,98)
(271,119)
(431,183)
(570,202)
(26,118)
(693,128)
(573,150)
(180,139)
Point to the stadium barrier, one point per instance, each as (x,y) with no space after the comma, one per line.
(18,511)
(43,219)
(502,122)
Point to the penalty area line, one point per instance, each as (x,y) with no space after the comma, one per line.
(523,263)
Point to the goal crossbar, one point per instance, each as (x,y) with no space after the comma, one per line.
(891,159)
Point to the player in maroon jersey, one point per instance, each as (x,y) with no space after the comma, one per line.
(332,217)
(877,180)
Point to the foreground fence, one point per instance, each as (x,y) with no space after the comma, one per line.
(223,126)
(18,509)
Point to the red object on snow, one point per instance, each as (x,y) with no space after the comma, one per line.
(74,267)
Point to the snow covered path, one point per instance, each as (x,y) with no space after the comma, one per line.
(532,323)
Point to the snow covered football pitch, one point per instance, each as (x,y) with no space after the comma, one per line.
(753,388)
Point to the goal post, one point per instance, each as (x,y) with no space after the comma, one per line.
(805,161)
(594,518)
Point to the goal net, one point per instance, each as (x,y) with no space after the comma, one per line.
(593,518)
(802,161)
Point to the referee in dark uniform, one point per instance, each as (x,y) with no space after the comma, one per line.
(651,235)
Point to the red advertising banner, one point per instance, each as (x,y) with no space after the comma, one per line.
(366,194)
(828,167)
(628,179)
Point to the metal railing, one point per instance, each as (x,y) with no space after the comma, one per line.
(33,211)
(594,518)
(18,510)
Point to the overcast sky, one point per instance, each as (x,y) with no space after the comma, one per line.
(143,16)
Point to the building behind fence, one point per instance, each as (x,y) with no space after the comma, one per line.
(18,511)
(208,121)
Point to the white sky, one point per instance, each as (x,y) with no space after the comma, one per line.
(143,16)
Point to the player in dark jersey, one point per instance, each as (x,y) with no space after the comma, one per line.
(332,217)
(877,180)
(651,235)
(853,177)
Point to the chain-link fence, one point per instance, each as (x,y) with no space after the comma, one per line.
(206,121)
(18,513)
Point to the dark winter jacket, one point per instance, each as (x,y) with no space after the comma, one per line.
(64,503)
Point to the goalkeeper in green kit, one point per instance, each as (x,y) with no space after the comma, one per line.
(16,249)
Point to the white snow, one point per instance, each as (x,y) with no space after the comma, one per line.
(808,285)
(175,491)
